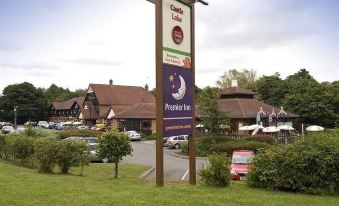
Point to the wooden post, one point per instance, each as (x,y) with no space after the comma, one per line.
(191,141)
(159,95)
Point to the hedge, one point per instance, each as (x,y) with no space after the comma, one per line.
(78,133)
(307,166)
(207,146)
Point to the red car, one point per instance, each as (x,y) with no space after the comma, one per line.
(240,165)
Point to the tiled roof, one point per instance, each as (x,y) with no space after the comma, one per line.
(68,104)
(138,111)
(246,108)
(236,91)
(121,95)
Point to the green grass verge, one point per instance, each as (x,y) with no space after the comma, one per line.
(22,186)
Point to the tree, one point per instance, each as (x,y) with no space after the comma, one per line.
(309,99)
(114,146)
(246,79)
(71,154)
(59,94)
(31,103)
(271,89)
(213,119)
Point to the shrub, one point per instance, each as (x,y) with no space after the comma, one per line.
(114,146)
(152,136)
(218,173)
(71,154)
(46,151)
(207,146)
(308,166)
(79,133)
(23,148)
(8,147)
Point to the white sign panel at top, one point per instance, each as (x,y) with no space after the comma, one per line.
(176,33)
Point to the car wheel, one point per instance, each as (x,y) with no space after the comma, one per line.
(177,146)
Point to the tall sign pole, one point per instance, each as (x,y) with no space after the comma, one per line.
(175,78)
(159,94)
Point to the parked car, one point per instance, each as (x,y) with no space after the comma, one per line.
(32,124)
(91,139)
(43,124)
(93,153)
(74,139)
(7,129)
(240,163)
(164,141)
(2,124)
(176,141)
(82,127)
(133,135)
(92,143)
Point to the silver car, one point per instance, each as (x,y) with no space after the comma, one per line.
(133,135)
(7,129)
(176,141)
(92,143)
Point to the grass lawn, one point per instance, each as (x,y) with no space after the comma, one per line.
(22,186)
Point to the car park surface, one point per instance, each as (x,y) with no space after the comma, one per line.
(175,167)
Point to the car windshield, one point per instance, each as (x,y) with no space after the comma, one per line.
(241,159)
(91,140)
(92,147)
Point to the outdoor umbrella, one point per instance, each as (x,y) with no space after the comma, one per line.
(314,128)
(285,127)
(255,126)
(271,129)
(246,128)
(258,127)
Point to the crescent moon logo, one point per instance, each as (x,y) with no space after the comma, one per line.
(181,91)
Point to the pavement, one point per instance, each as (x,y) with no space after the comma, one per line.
(175,165)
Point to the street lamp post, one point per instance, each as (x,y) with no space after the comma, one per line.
(90,118)
(15,116)
(1,114)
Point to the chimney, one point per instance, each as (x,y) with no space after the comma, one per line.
(146,87)
(234,83)
(110,82)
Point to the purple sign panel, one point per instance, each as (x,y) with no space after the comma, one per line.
(177,101)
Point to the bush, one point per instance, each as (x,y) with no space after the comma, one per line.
(218,173)
(208,146)
(23,148)
(71,154)
(46,151)
(152,136)
(8,151)
(308,166)
(78,133)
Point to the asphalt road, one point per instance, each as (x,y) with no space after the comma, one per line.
(175,168)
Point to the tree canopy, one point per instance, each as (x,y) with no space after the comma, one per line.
(246,79)
(32,102)
(214,119)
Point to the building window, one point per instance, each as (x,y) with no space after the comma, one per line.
(146,124)
(121,124)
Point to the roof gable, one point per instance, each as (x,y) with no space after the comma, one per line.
(121,95)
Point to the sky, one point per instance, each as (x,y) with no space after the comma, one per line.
(72,43)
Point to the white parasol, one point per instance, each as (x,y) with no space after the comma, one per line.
(314,128)
(259,127)
(246,128)
(271,129)
(199,125)
(285,127)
